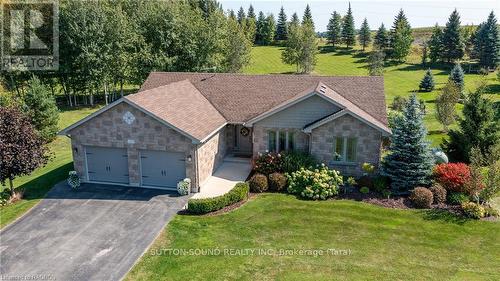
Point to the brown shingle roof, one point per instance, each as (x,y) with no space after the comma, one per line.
(181,105)
(240,97)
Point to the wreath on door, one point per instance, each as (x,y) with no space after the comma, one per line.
(244,131)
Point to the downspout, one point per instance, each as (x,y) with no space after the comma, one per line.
(196,172)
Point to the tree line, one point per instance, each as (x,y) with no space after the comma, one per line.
(107,44)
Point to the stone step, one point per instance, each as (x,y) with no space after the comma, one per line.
(237,159)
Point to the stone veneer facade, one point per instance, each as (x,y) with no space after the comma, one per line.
(109,130)
(211,154)
(369,141)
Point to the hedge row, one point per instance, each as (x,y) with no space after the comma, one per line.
(207,205)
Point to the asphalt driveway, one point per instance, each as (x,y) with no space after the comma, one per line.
(95,233)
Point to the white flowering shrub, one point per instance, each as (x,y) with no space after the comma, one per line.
(317,184)
(184,186)
(73,180)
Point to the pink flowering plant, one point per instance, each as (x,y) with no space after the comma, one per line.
(268,163)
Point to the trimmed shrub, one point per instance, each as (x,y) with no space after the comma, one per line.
(268,163)
(364,190)
(421,197)
(207,205)
(258,183)
(294,160)
(320,183)
(473,210)
(457,198)
(452,176)
(277,181)
(439,193)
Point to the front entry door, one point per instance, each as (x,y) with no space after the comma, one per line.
(244,140)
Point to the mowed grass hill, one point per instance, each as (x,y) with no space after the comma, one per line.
(400,80)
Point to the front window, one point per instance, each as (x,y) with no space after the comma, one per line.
(271,141)
(280,140)
(344,149)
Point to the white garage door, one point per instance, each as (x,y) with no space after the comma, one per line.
(162,169)
(107,164)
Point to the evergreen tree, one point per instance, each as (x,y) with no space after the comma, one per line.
(260,30)
(453,45)
(232,15)
(365,37)
(381,40)
(487,43)
(295,19)
(457,77)
(445,104)
(251,13)
(282,27)
(268,30)
(250,29)
(436,44)
(307,18)
(477,128)
(40,106)
(348,30)
(376,63)
(401,38)
(409,163)
(241,16)
(334,29)
(427,83)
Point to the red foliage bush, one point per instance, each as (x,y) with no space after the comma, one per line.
(268,163)
(452,176)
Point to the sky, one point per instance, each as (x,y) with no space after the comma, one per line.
(420,13)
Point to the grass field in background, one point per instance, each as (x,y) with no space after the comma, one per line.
(385,244)
(399,80)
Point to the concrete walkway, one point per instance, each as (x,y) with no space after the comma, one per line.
(230,172)
(95,233)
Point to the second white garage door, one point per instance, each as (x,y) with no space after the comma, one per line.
(162,169)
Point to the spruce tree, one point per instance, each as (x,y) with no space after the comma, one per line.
(251,13)
(261,23)
(365,37)
(477,128)
(40,106)
(453,45)
(232,15)
(381,40)
(268,30)
(457,77)
(427,83)
(436,44)
(348,30)
(295,19)
(282,27)
(401,38)
(241,16)
(334,29)
(307,18)
(487,43)
(409,163)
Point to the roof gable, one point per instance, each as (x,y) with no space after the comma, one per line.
(241,97)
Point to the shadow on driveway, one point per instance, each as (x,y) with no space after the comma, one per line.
(95,233)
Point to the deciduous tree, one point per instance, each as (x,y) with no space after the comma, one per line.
(22,150)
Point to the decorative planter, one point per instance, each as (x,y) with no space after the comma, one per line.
(184,186)
(73,180)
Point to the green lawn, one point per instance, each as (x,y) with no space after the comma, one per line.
(400,79)
(385,244)
(38,183)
